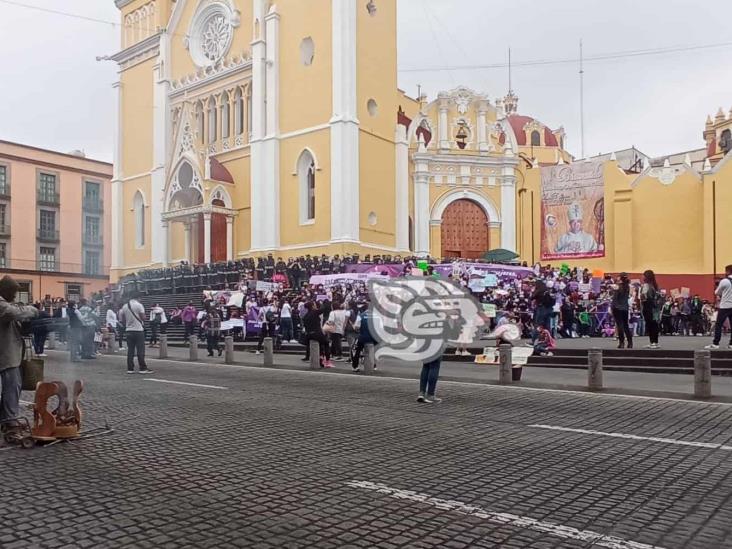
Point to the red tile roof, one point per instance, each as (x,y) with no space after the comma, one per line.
(219,172)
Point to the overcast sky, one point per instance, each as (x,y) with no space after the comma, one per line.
(54,94)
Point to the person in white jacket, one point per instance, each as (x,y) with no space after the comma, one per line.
(724,310)
(158,323)
(337,322)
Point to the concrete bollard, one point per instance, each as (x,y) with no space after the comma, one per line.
(51,343)
(369,358)
(268,352)
(193,348)
(163,349)
(594,369)
(505,365)
(702,374)
(111,344)
(229,350)
(314,355)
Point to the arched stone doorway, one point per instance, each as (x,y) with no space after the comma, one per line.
(464,230)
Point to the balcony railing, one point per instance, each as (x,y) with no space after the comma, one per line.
(4,230)
(48,235)
(48,198)
(47,265)
(93,204)
(5,190)
(91,239)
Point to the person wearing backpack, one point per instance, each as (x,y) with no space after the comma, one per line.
(652,302)
(724,309)
(131,316)
(268,322)
(621,310)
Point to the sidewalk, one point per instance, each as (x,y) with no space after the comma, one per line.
(627,383)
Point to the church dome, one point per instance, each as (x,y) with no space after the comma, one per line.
(518,125)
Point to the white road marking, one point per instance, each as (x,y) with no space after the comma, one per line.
(185,383)
(485,385)
(710,445)
(557,530)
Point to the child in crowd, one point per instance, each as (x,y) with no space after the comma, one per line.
(544,342)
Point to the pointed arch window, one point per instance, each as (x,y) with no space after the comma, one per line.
(535,139)
(249,112)
(306,178)
(200,122)
(138,207)
(212,120)
(225,117)
(239,112)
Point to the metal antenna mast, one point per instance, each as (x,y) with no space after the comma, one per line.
(582,100)
(510,87)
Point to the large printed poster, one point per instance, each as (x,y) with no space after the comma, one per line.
(572,211)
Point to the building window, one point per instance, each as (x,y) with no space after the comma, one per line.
(200,122)
(138,207)
(91,230)
(91,263)
(74,292)
(306,177)
(47,222)
(225,118)
(239,112)
(4,180)
(535,139)
(212,120)
(3,255)
(3,219)
(47,187)
(249,112)
(92,195)
(47,259)
(25,295)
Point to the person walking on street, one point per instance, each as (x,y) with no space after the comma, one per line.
(40,332)
(338,317)
(131,316)
(365,337)
(286,326)
(11,352)
(652,301)
(113,326)
(313,327)
(621,310)
(74,332)
(724,308)
(212,327)
(158,323)
(88,328)
(188,316)
(268,324)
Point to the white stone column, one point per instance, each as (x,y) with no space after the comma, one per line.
(165,243)
(483,145)
(187,252)
(421,209)
(117,206)
(258,117)
(207,238)
(508,209)
(344,126)
(443,123)
(402,189)
(161,131)
(229,239)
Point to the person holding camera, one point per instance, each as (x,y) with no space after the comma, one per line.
(11,352)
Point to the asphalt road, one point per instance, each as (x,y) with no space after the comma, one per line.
(234,456)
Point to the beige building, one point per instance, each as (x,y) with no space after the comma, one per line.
(54,231)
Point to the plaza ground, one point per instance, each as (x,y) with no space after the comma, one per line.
(209,455)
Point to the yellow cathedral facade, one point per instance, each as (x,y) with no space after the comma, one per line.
(248,127)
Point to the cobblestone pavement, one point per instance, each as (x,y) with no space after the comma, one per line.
(268,458)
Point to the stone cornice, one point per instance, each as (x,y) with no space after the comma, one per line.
(140,49)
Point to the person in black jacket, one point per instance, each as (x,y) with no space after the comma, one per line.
(313,326)
(620,307)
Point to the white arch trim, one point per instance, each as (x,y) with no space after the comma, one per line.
(221,193)
(414,126)
(299,157)
(170,189)
(144,199)
(464,194)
